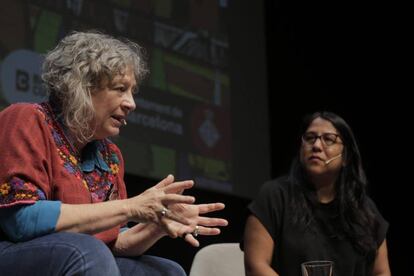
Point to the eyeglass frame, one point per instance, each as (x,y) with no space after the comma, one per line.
(320,137)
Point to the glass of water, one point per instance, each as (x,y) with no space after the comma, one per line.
(317,268)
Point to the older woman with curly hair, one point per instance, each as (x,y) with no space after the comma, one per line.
(63,202)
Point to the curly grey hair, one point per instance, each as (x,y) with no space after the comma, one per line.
(81,62)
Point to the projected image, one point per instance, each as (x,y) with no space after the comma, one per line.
(182,121)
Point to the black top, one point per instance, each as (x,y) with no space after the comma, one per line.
(295,245)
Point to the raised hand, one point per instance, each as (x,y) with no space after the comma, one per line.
(152,205)
(199,225)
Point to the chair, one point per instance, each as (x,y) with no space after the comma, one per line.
(220,259)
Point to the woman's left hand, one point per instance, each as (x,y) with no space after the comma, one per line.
(200,225)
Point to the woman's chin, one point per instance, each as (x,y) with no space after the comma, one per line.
(110,132)
(315,170)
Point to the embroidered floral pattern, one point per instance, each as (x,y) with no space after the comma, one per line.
(98,182)
(17,189)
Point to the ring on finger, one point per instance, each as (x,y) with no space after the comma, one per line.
(196,231)
(164,211)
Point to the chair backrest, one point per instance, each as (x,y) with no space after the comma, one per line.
(220,259)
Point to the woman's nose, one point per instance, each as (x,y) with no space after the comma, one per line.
(129,102)
(317,145)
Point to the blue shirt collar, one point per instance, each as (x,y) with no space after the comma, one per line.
(92,158)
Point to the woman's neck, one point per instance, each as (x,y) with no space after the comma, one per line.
(56,108)
(325,188)
(77,145)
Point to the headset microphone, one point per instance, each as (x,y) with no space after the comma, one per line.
(332,159)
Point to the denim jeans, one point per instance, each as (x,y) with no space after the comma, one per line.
(76,254)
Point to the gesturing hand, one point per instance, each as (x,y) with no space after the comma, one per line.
(204,225)
(152,205)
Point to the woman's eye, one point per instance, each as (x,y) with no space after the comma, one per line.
(329,139)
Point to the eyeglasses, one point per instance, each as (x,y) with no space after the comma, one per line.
(328,139)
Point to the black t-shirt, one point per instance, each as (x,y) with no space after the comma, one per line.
(295,245)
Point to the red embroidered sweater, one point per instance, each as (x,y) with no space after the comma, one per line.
(39,163)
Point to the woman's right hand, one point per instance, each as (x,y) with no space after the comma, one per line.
(151,205)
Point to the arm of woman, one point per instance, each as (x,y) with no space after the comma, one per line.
(381,265)
(258,249)
(146,207)
(25,222)
(138,239)
(92,218)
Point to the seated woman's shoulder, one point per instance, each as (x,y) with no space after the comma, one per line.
(21,108)
(21,113)
(279,183)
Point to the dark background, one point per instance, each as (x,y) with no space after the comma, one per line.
(349,58)
(344,57)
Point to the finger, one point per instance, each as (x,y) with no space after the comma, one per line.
(208,231)
(174,198)
(210,207)
(165,182)
(178,187)
(191,240)
(206,221)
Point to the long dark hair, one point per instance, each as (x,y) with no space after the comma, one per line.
(355,216)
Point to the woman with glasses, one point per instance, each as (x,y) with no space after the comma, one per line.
(320,211)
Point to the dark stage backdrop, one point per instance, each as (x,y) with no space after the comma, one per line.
(347,57)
